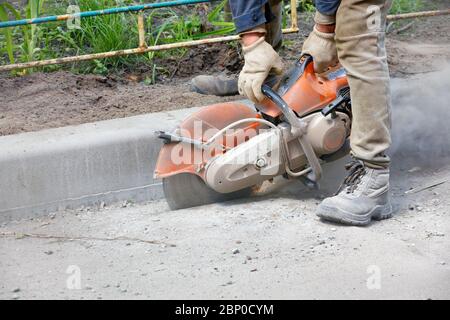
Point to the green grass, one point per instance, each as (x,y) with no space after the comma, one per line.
(398,6)
(306,6)
(104,33)
(6,35)
(405,6)
(116,32)
(29,34)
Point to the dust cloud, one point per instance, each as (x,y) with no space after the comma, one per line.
(421,119)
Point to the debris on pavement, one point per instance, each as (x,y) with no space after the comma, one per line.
(429,186)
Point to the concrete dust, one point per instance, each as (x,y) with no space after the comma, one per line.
(420,134)
(421,118)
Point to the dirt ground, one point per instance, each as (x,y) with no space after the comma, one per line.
(41,101)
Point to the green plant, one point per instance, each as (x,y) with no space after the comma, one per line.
(100,68)
(404,6)
(106,33)
(178,27)
(103,34)
(306,6)
(302,6)
(217,19)
(29,33)
(168,26)
(7,33)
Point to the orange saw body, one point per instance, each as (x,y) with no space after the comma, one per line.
(307,120)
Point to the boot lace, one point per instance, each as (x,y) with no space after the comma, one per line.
(356,171)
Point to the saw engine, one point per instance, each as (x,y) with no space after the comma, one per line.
(228,149)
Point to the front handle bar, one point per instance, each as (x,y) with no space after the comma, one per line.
(298,128)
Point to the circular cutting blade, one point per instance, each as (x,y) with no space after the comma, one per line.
(187,190)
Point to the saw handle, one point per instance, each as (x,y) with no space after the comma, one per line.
(290,116)
(298,128)
(343,97)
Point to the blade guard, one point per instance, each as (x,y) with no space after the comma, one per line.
(175,158)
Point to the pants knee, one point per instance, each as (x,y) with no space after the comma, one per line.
(358,17)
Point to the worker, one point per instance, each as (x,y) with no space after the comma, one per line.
(349,32)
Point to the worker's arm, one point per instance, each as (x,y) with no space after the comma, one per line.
(250,17)
(320,43)
(327,7)
(249,14)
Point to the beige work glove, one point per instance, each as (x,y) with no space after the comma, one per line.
(322,47)
(260,59)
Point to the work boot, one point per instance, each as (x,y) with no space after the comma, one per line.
(363,196)
(223,86)
(215,85)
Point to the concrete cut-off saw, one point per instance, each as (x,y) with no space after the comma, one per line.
(228,150)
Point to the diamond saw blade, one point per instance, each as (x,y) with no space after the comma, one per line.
(187,190)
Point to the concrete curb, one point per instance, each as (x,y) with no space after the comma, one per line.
(71,167)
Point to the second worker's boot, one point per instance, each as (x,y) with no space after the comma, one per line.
(215,85)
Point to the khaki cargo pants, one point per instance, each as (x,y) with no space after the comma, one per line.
(360,41)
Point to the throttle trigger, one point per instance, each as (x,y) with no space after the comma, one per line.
(344,97)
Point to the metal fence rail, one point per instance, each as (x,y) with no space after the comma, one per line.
(422,14)
(95,13)
(143,47)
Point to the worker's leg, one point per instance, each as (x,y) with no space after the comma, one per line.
(223,85)
(274,34)
(360,41)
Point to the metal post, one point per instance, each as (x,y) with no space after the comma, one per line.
(141,30)
(294,18)
(422,14)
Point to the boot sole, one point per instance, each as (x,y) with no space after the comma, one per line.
(340,216)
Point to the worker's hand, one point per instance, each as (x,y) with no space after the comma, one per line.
(260,59)
(322,47)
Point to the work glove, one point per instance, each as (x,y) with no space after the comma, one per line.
(260,60)
(322,47)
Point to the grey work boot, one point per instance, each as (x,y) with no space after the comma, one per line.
(222,86)
(363,196)
(215,85)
